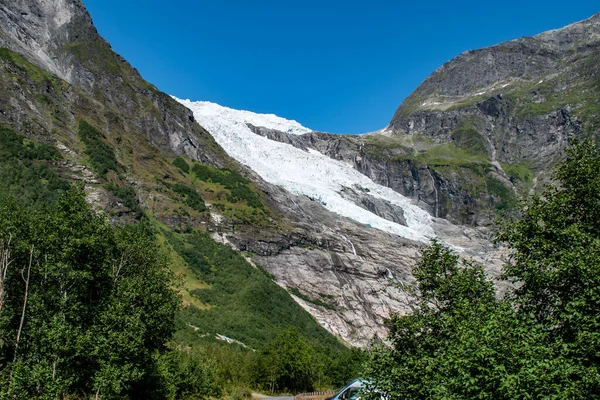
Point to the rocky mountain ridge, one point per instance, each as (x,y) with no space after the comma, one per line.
(55,71)
(484,128)
(60,83)
(60,38)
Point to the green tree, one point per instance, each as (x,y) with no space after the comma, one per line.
(542,340)
(556,262)
(181,164)
(102,156)
(286,364)
(440,348)
(187,373)
(86,304)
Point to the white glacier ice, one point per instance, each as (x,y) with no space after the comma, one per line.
(305,173)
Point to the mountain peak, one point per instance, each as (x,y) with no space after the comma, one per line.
(40,30)
(492,70)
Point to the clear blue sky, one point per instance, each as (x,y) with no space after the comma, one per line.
(333,65)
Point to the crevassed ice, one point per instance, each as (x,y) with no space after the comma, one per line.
(305,173)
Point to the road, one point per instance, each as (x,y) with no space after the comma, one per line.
(280,398)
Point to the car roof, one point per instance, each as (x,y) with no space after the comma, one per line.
(356,383)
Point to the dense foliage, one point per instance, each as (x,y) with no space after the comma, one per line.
(190,196)
(88,309)
(102,156)
(88,303)
(231,180)
(181,164)
(542,340)
(287,364)
(242,302)
(127,194)
(24,170)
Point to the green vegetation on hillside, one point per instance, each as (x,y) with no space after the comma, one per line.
(450,155)
(231,180)
(541,340)
(38,75)
(241,302)
(469,150)
(181,164)
(102,156)
(317,302)
(499,190)
(102,305)
(466,137)
(85,310)
(190,196)
(24,170)
(127,194)
(382,146)
(576,91)
(103,160)
(521,172)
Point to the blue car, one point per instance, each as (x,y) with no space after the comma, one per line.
(352,391)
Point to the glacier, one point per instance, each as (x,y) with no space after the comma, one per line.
(301,172)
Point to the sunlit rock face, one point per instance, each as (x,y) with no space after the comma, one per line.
(352,242)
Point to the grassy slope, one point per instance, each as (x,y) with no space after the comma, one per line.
(239,300)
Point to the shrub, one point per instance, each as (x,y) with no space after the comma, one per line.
(231,180)
(102,157)
(181,164)
(191,196)
(128,195)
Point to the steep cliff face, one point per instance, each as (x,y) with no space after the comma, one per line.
(463,187)
(40,30)
(561,58)
(59,37)
(520,101)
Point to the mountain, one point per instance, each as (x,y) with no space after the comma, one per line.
(337,221)
(482,130)
(59,38)
(475,137)
(352,242)
(140,155)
